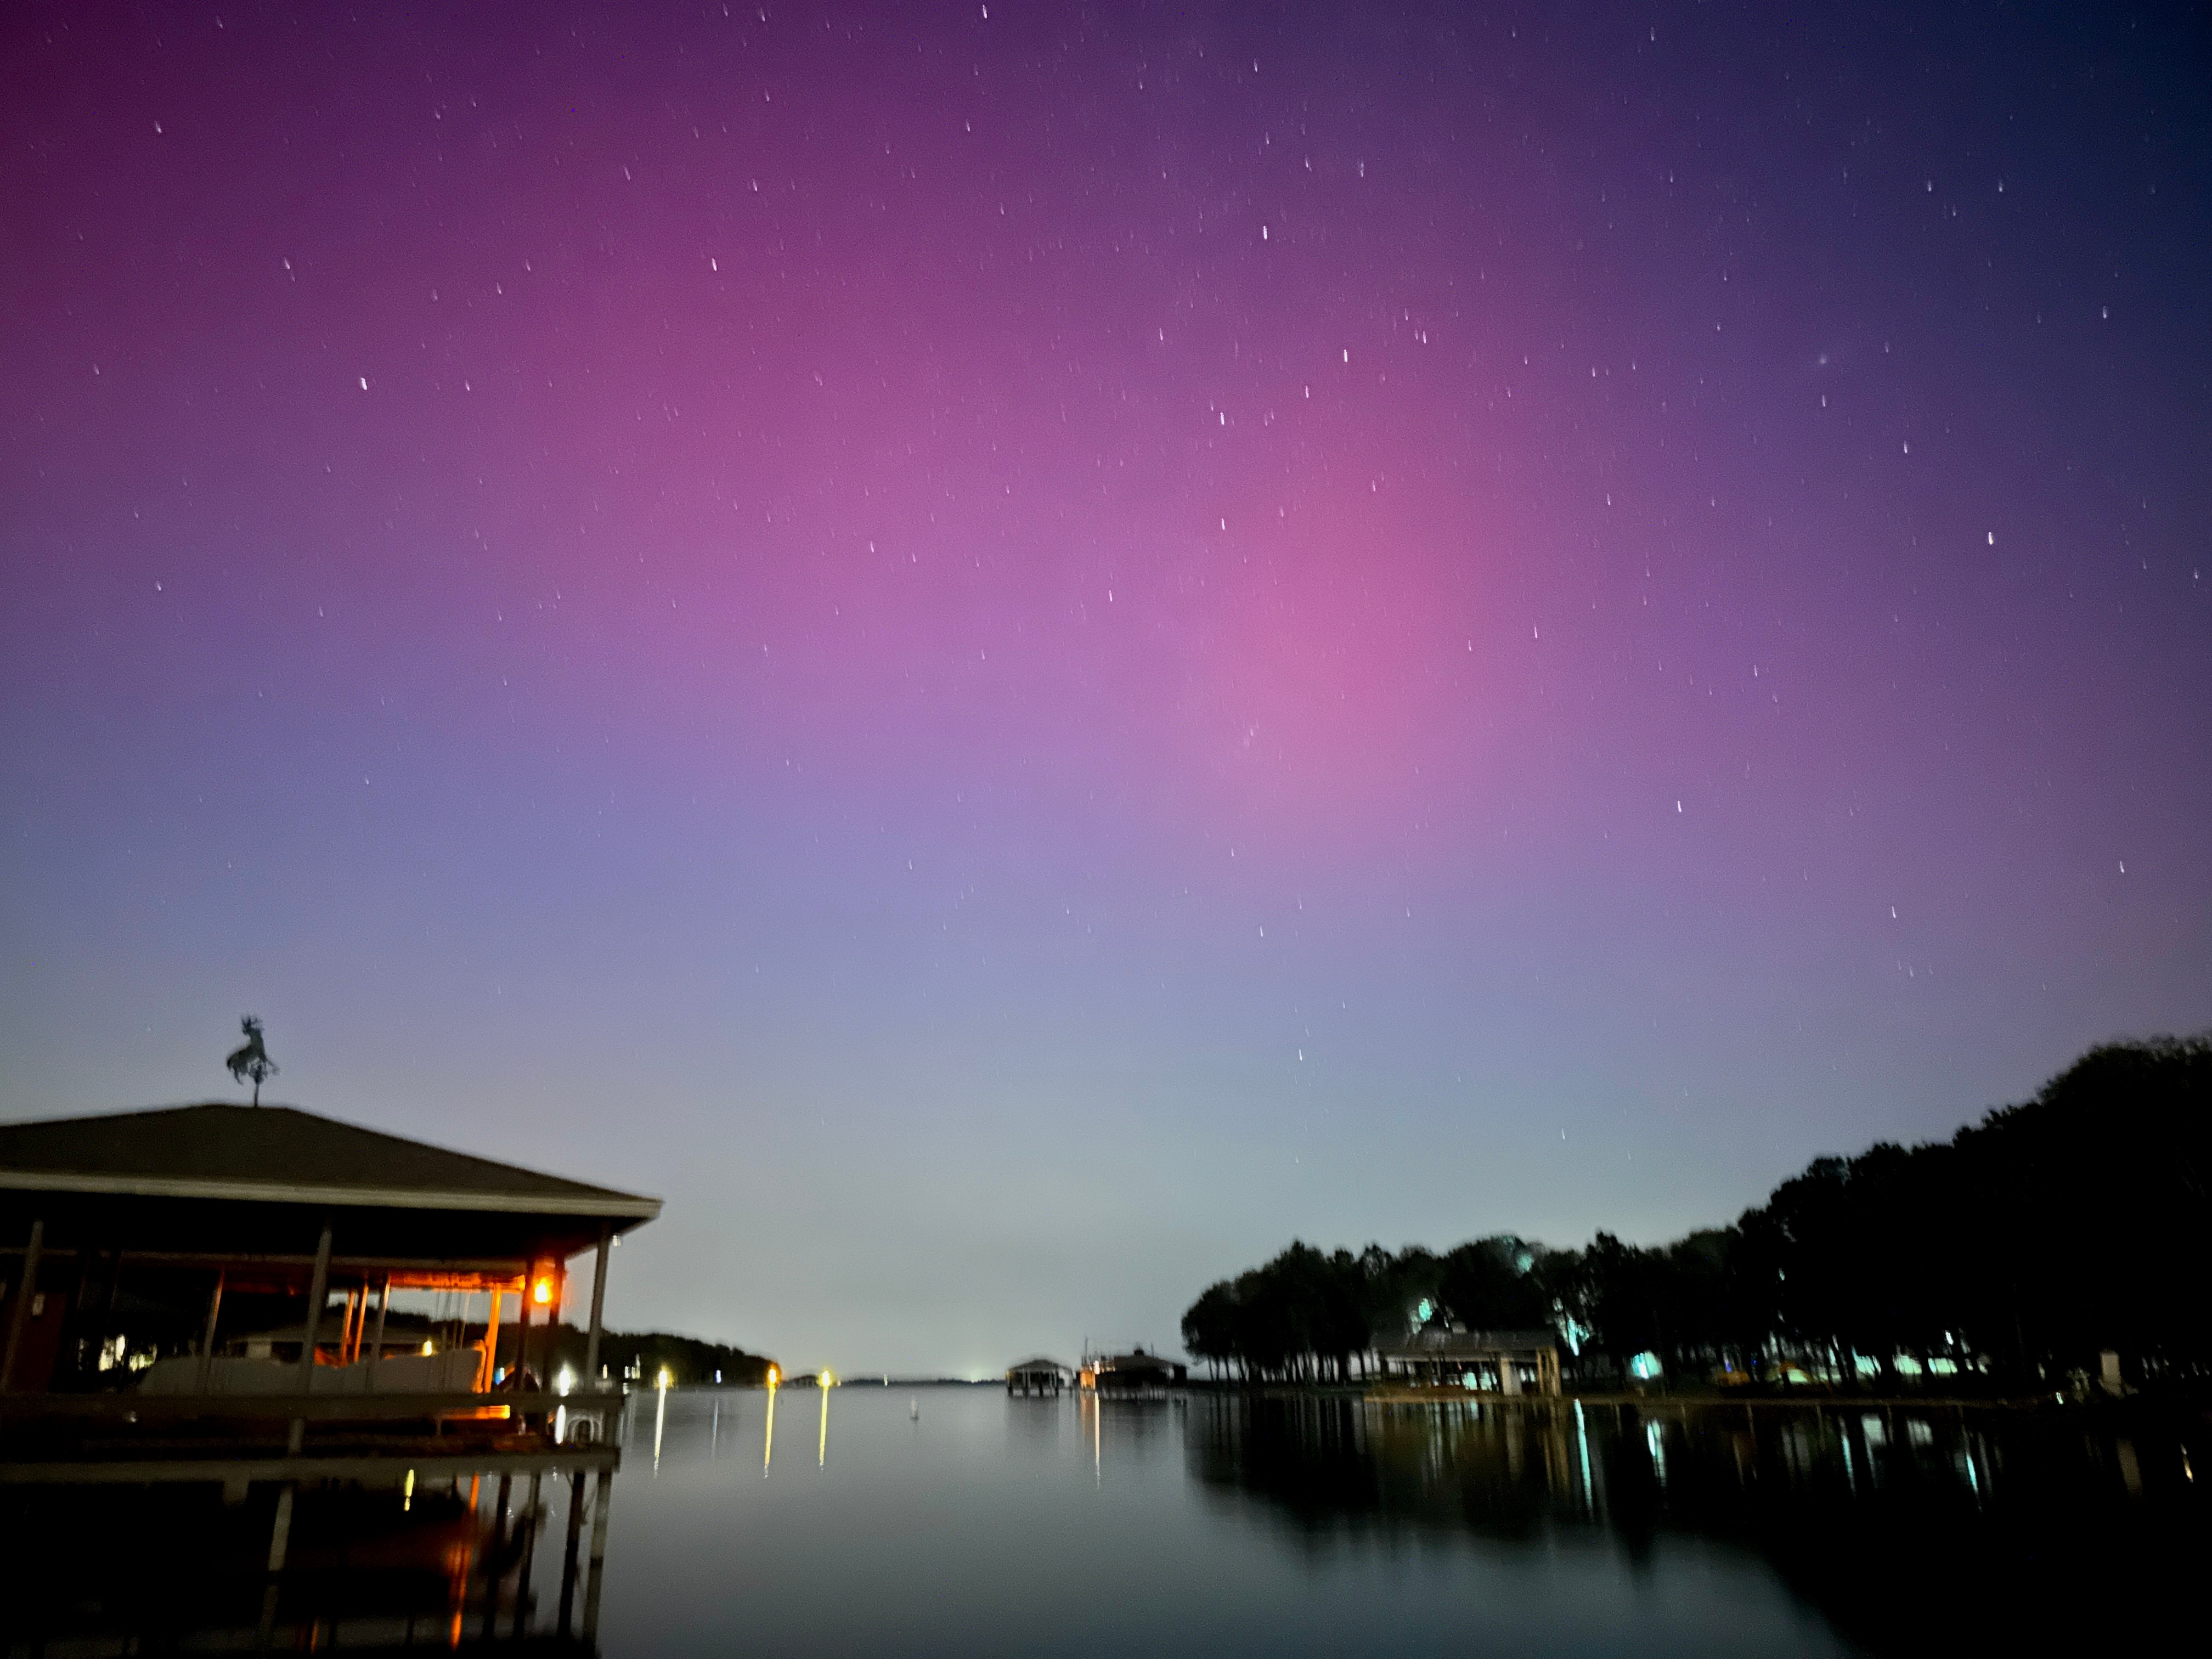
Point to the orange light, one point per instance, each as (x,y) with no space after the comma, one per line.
(542,1291)
(774,1377)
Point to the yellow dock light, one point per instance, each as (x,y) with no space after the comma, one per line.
(429,1347)
(663,1379)
(827,1379)
(774,1377)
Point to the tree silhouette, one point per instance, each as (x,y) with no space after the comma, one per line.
(2027,1244)
(251,1060)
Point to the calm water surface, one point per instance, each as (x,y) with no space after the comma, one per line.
(958,1521)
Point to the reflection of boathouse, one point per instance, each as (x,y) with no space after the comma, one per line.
(1038,1375)
(152,1261)
(1495,1362)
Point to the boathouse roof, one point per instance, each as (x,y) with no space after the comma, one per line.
(220,1180)
(284,1154)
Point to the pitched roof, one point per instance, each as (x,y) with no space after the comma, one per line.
(282,1155)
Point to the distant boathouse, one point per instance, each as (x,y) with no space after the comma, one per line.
(1038,1377)
(1496,1362)
(1134,1373)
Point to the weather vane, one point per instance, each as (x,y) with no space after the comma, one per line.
(252,1060)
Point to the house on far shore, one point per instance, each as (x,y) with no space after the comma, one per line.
(1131,1373)
(1492,1361)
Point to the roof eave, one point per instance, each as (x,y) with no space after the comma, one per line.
(609,1205)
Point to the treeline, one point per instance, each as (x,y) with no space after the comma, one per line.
(2027,1244)
(641,1356)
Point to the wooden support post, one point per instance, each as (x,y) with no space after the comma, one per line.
(599,1306)
(553,1321)
(280,1535)
(376,1353)
(522,1326)
(318,1291)
(601,1502)
(207,1335)
(491,1343)
(20,1314)
(483,1359)
(499,1537)
(529,1556)
(318,1288)
(280,1538)
(568,1557)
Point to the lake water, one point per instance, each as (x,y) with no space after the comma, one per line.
(957,1521)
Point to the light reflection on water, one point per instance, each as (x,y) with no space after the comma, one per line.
(977,1523)
(959,1521)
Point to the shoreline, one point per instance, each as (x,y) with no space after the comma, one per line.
(1684,1403)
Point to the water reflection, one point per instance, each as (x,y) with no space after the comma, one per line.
(1909,1532)
(447,1560)
(968,1522)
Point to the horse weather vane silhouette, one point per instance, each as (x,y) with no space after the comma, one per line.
(252,1060)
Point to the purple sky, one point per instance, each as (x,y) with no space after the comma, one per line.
(1016,656)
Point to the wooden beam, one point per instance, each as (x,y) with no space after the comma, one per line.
(597,1571)
(375,1353)
(598,1306)
(20,1314)
(319,1290)
(277,1407)
(207,1336)
(619,1206)
(352,1465)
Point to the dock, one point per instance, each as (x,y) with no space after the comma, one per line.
(347,1493)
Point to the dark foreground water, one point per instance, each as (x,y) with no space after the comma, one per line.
(957,1521)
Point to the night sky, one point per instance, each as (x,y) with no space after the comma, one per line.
(1017,653)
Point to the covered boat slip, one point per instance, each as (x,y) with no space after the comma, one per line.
(182,1210)
(195,1304)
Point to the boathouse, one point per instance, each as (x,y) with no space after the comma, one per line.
(1136,1373)
(164,1214)
(1038,1375)
(1495,1362)
(197,1299)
